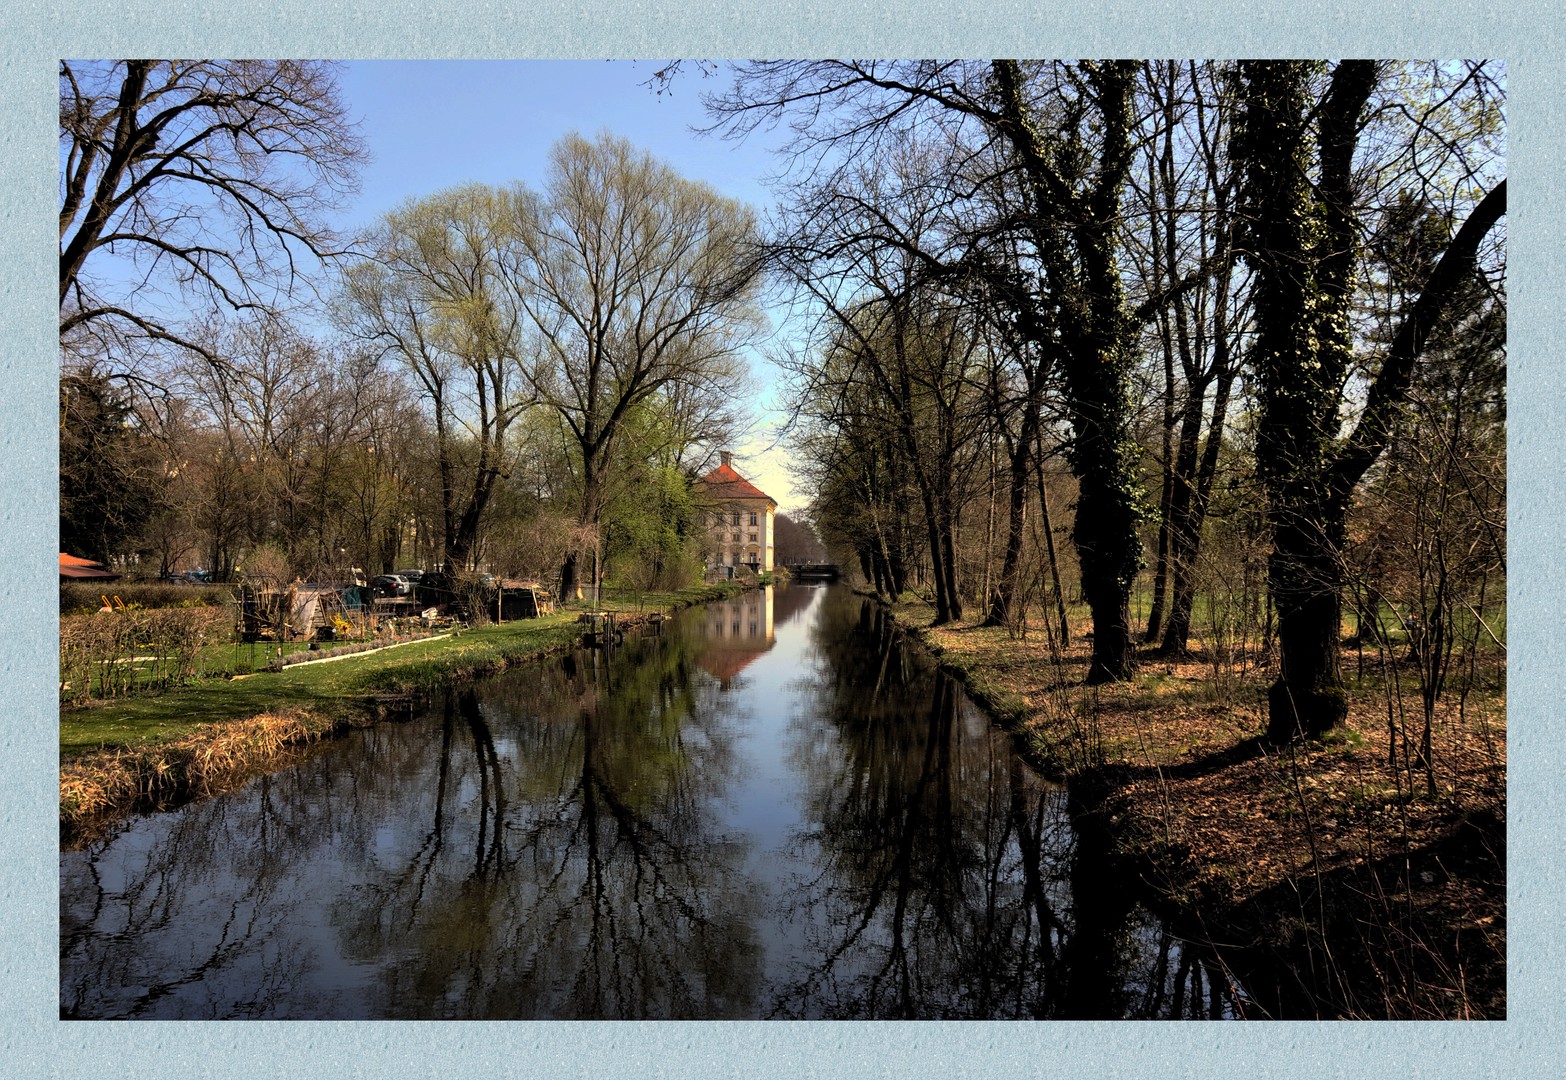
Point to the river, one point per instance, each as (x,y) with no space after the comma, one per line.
(770,807)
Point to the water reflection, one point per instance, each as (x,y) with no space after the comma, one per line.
(773,808)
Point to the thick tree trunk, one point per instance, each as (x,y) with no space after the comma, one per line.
(571,570)
(1305,580)
(1105,535)
(1301,353)
(1094,335)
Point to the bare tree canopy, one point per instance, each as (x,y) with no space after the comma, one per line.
(639,282)
(210,178)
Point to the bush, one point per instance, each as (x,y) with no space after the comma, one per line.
(84,597)
(112,654)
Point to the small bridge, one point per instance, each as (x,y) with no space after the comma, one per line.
(813,571)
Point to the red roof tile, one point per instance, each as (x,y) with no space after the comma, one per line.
(724,483)
(725,664)
(83,569)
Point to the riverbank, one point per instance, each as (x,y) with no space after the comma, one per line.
(165,748)
(1327,879)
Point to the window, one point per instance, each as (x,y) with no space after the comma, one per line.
(736,518)
(753,538)
(736,538)
(753,518)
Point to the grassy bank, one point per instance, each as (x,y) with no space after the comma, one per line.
(203,736)
(1346,873)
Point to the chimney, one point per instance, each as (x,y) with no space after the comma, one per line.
(725,456)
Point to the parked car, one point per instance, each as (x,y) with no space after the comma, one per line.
(391,585)
(435,588)
(412,575)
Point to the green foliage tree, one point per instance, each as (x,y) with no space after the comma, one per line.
(110,481)
(444,297)
(635,282)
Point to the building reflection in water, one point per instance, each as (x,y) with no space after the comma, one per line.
(609,835)
(736,634)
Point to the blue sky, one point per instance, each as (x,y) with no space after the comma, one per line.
(435,124)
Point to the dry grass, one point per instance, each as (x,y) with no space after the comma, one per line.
(1347,848)
(209,758)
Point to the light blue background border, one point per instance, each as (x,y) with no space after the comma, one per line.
(34,35)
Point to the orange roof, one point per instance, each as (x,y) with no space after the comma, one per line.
(82,569)
(724,483)
(725,664)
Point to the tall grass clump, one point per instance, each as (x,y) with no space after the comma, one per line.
(212,756)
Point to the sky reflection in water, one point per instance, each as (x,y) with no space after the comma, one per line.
(770,809)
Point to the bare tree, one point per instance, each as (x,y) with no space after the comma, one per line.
(1187,202)
(636,282)
(213,177)
(1064,134)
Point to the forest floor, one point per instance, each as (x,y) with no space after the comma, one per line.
(1335,878)
(213,733)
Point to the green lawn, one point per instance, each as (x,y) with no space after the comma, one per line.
(342,685)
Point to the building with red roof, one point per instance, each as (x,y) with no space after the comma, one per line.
(73,568)
(739,522)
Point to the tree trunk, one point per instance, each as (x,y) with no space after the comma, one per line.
(943,607)
(1093,337)
(1305,580)
(1049,549)
(1109,550)
(949,560)
(1301,352)
(592,482)
(1183,521)
(1001,604)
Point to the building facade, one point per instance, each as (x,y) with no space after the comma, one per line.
(739,522)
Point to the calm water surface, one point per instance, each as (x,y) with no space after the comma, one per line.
(772,808)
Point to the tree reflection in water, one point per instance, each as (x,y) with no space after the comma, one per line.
(803,819)
(600,887)
(951,881)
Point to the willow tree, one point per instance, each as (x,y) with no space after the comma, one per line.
(442,298)
(1296,142)
(636,282)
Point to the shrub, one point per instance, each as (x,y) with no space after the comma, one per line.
(112,654)
(81,597)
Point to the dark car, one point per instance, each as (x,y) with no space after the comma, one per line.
(412,575)
(435,588)
(391,585)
